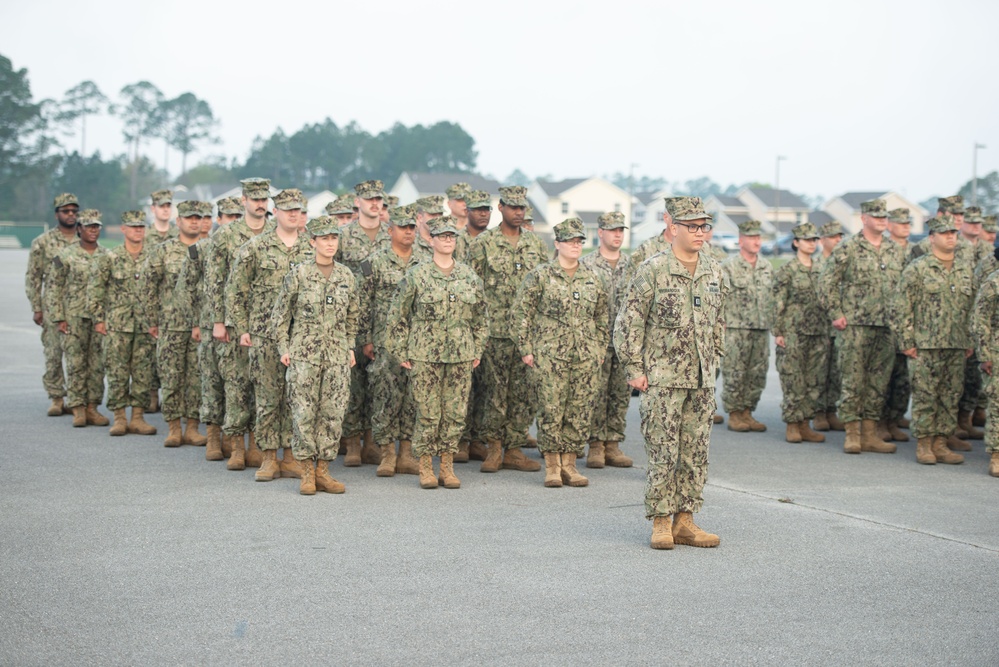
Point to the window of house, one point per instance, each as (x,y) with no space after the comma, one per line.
(617,208)
(565,208)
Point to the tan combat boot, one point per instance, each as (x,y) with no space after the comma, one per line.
(881,430)
(494,456)
(307,487)
(955,444)
(95,418)
(369,452)
(994,464)
(791,433)
(595,456)
(406,463)
(820,422)
(154,401)
(290,466)
(737,421)
(754,425)
(717,419)
(615,457)
(964,424)
(79,416)
(387,466)
(807,434)
(514,459)
(352,458)
(254,457)
(942,454)
(476,452)
(685,531)
(213,450)
(461,456)
(138,424)
(532,442)
(869,440)
(834,422)
(896,433)
(173,438)
(120,425)
(56,408)
(226,443)
(662,532)
(553,470)
(903,422)
(237,459)
(852,443)
(570,475)
(269,468)
(428,480)
(924,451)
(324,482)
(191,436)
(978,417)
(447,477)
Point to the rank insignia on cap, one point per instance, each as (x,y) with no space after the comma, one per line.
(450,297)
(329,300)
(697,302)
(517,265)
(136,276)
(575,295)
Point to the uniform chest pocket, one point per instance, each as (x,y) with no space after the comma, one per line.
(270,274)
(669,309)
(585,301)
(431,305)
(801,285)
(499,270)
(173,265)
(740,280)
(121,274)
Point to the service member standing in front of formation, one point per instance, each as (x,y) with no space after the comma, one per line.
(826,419)
(985,329)
(669,335)
(899,391)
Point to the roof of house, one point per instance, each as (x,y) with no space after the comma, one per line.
(553,188)
(439,183)
(854,199)
(734,202)
(819,218)
(738,218)
(539,215)
(646,197)
(769,198)
(589,217)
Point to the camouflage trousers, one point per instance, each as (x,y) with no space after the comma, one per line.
(564,392)
(744,368)
(129,358)
(507,410)
(317,396)
(212,387)
(990,390)
(393,412)
(358,417)
(177,356)
(972,390)
(440,392)
(937,376)
(866,357)
(899,390)
(831,382)
(476,407)
(84,350)
(800,364)
(53,379)
(234,365)
(676,424)
(610,405)
(272,421)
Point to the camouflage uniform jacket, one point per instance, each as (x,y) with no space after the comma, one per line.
(355,246)
(380,278)
(218,263)
(716,252)
(932,306)
(437,317)
(160,275)
(747,303)
(502,267)
(670,327)
(559,317)
(614,277)
(964,252)
(982,250)
(156,237)
(43,250)
(423,248)
(256,277)
(985,320)
(984,269)
(70,279)
(859,281)
(115,290)
(315,319)
(648,248)
(796,301)
(462,245)
(190,295)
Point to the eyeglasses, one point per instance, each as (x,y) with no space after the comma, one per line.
(576,241)
(447,236)
(693,229)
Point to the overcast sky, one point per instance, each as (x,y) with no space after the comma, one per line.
(857,95)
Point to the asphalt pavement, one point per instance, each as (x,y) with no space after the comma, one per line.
(117,551)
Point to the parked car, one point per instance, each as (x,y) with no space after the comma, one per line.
(779,246)
(727,242)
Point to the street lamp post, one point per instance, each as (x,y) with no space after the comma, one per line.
(631,200)
(777,193)
(974,173)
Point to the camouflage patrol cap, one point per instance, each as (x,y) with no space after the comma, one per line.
(686,208)
(65,199)
(973,215)
(942,223)
(990,223)
(751,228)
(322,226)
(133,218)
(401,216)
(391,200)
(513,195)
(290,199)
(805,231)
(341,205)
(434,204)
(443,225)
(256,188)
(613,220)
(831,228)
(458,191)
(478,199)
(570,228)
(900,216)
(230,206)
(876,208)
(370,190)
(528,214)
(953,205)
(205,209)
(189,208)
(161,197)
(88,217)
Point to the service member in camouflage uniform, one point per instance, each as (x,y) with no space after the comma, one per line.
(161,205)
(800,329)
(456,206)
(857,290)
(610,407)
(826,419)
(437,330)
(116,307)
(426,209)
(561,318)
(479,206)
(36,283)
(972,231)
(341,209)
(669,335)
(985,330)
(502,257)
(234,359)
(899,390)
(70,311)
(747,318)
(315,325)
(930,318)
